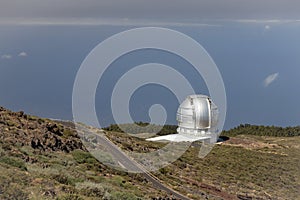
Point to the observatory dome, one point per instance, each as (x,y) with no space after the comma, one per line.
(197,115)
(197,118)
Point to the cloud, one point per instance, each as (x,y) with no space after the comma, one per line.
(167,10)
(22,54)
(263,21)
(270,79)
(117,21)
(6,56)
(104,21)
(267,27)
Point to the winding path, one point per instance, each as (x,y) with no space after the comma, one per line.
(126,162)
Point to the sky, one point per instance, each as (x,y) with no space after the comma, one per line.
(176,11)
(255,45)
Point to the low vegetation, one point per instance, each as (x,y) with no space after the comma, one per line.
(43,159)
(142,127)
(243,129)
(248,129)
(257,162)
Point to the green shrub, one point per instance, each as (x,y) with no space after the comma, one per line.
(91,189)
(83,157)
(13,192)
(164,171)
(13,162)
(274,131)
(64,179)
(143,127)
(68,133)
(40,120)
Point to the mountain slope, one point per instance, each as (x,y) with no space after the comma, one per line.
(45,159)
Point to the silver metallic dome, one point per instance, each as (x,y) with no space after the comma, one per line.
(197,114)
(197,118)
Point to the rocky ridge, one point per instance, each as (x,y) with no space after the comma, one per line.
(21,129)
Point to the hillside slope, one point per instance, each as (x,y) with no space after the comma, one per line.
(243,167)
(44,159)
